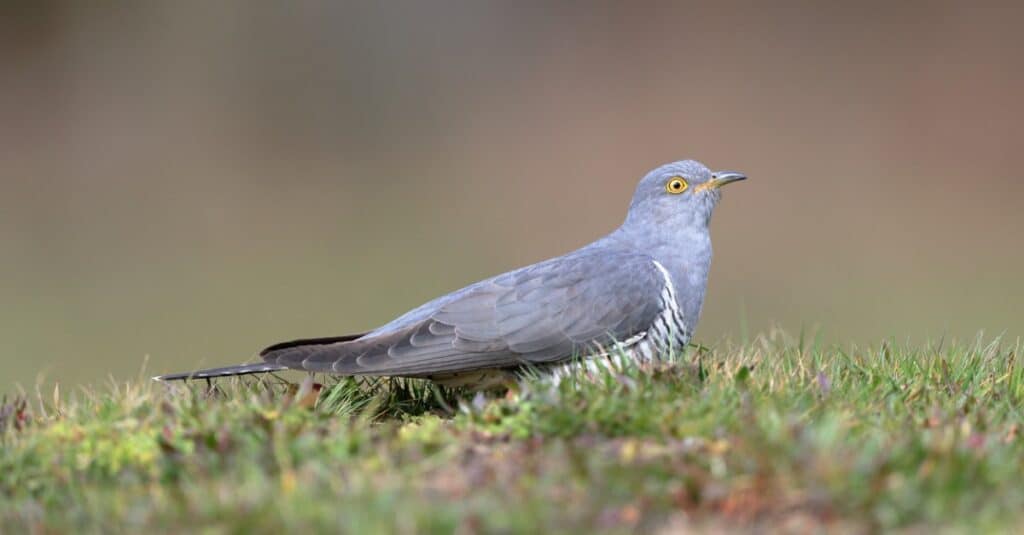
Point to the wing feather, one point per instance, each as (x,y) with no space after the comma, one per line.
(544,313)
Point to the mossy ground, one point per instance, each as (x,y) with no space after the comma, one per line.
(776,435)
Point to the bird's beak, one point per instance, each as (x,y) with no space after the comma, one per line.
(721,178)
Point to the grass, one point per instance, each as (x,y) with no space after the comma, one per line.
(776,435)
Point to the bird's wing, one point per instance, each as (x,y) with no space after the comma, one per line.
(540,314)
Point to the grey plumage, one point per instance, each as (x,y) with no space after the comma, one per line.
(228,371)
(536,315)
(640,288)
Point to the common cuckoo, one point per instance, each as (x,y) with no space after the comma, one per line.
(636,292)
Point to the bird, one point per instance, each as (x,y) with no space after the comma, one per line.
(637,291)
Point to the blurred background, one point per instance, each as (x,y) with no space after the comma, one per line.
(188,181)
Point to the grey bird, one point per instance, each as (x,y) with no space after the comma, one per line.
(638,291)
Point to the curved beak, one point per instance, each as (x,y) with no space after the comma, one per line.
(721,178)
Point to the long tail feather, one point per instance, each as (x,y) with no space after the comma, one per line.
(229,371)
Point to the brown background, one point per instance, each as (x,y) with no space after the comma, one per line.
(193,180)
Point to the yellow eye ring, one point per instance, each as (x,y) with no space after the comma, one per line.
(676,185)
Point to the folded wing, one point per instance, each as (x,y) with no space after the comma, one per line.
(541,314)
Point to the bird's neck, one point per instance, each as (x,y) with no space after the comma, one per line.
(683,244)
(684,252)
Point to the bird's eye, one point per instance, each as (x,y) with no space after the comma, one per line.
(676,185)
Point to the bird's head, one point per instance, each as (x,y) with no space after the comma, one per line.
(680,193)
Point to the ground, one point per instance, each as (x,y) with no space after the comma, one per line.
(778,435)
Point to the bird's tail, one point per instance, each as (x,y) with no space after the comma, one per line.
(268,355)
(229,371)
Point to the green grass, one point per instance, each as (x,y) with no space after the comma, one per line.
(774,435)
